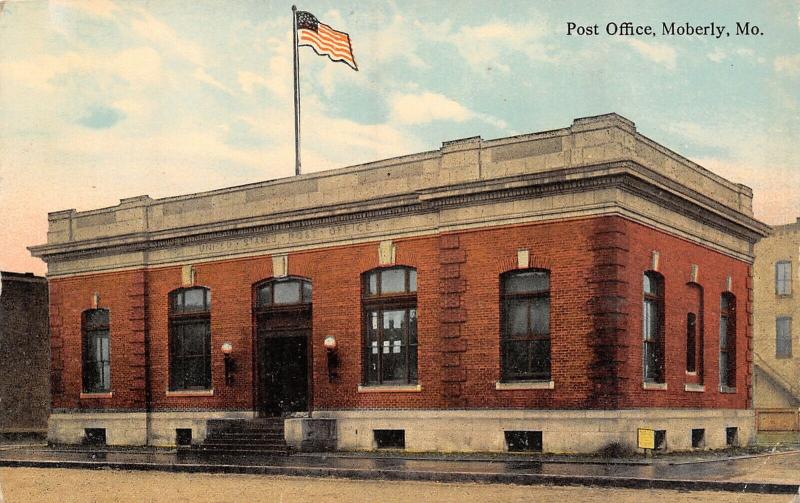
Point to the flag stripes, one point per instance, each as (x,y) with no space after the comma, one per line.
(324,40)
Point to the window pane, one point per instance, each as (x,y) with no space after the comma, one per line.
(691,342)
(96,318)
(287,292)
(306,292)
(264,296)
(371,363)
(723,332)
(540,316)
(372,283)
(540,359)
(194,299)
(393,322)
(412,326)
(517,318)
(528,282)
(723,368)
(393,281)
(516,358)
(650,319)
(783,338)
(651,362)
(649,287)
(783,278)
(412,363)
(412,281)
(193,341)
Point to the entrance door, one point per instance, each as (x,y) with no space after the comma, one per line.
(283,333)
(284,384)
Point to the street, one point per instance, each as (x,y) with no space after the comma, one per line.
(71,485)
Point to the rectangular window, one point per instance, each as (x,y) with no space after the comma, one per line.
(190,339)
(783,337)
(653,327)
(525,330)
(698,438)
(390,439)
(783,278)
(96,351)
(732,436)
(191,352)
(524,441)
(94,436)
(391,351)
(691,342)
(389,298)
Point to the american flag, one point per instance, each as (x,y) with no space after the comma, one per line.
(324,40)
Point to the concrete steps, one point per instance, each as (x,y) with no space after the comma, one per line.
(263,436)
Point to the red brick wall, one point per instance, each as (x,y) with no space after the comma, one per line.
(596,294)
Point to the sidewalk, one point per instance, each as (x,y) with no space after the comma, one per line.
(777,473)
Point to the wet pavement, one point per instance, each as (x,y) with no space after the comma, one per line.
(776,473)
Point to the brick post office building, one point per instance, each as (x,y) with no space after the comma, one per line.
(555,290)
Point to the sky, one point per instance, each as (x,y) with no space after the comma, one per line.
(107,99)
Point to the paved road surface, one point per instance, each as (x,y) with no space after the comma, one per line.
(46,485)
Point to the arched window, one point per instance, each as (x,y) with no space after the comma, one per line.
(190,339)
(389,300)
(96,351)
(283,292)
(653,327)
(525,325)
(727,340)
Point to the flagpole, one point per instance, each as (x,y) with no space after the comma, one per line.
(296,94)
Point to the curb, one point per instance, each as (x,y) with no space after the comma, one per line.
(427,476)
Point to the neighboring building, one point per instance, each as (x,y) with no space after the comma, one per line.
(24,354)
(776,322)
(550,291)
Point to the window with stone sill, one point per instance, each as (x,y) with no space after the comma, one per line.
(96,351)
(653,327)
(190,339)
(525,325)
(389,301)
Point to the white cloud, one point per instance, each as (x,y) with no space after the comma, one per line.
(488,46)
(789,65)
(662,54)
(139,65)
(100,8)
(203,76)
(248,81)
(148,27)
(426,107)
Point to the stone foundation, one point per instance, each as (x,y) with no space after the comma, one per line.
(578,431)
(131,428)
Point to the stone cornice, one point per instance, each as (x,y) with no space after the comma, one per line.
(627,176)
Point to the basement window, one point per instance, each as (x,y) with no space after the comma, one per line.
(698,438)
(95,436)
(390,439)
(732,436)
(660,438)
(524,441)
(183,437)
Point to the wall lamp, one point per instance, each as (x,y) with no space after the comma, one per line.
(230,365)
(333,357)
